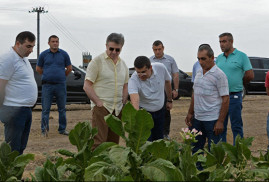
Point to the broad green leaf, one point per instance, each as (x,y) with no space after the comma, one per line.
(128,117)
(141,131)
(102,147)
(65,152)
(115,124)
(12,178)
(231,151)
(158,149)
(23,160)
(119,156)
(161,170)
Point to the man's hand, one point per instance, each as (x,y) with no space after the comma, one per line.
(218,128)
(174,94)
(169,105)
(99,103)
(189,119)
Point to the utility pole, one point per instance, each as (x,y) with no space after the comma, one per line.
(38,10)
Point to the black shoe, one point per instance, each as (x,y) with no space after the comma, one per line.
(64,132)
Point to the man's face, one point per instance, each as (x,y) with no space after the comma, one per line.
(158,51)
(113,50)
(144,73)
(206,62)
(225,44)
(54,43)
(25,49)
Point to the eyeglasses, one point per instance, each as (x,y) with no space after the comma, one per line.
(116,49)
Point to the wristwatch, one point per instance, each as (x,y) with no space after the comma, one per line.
(176,90)
(169,101)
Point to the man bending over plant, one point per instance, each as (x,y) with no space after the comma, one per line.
(146,88)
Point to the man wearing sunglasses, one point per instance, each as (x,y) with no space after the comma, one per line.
(106,85)
(171,66)
(146,88)
(210,100)
(237,67)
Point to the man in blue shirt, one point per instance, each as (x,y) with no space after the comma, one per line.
(54,65)
(237,67)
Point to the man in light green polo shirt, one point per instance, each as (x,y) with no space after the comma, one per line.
(106,85)
(237,67)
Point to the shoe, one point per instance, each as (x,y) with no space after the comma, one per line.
(166,137)
(44,134)
(64,133)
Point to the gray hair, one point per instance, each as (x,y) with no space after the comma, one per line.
(206,47)
(116,38)
(229,35)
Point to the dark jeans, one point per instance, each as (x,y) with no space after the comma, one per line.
(157,131)
(206,127)
(235,110)
(17,122)
(48,92)
(167,121)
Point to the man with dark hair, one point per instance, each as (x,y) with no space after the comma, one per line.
(106,85)
(146,88)
(172,69)
(18,91)
(236,65)
(210,100)
(54,65)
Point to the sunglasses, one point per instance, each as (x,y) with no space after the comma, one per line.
(116,49)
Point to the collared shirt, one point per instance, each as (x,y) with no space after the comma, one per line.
(53,65)
(151,91)
(208,91)
(108,80)
(234,66)
(195,68)
(21,88)
(168,61)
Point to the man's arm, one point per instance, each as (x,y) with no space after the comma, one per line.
(135,100)
(88,88)
(39,70)
(168,91)
(267,90)
(249,75)
(218,128)
(176,84)
(190,114)
(125,93)
(68,69)
(3,84)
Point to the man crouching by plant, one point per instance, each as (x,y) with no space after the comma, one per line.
(146,89)
(210,100)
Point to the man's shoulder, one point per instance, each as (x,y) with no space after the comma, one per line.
(169,57)
(158,65)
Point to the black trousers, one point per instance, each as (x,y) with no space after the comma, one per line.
(166,127)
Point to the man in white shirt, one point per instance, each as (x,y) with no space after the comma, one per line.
(18,91)
(146,89)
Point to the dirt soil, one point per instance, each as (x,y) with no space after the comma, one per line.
(255,109)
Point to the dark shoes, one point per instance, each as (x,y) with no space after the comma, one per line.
(64,132)
(44,134)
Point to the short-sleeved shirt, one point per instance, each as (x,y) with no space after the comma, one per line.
(234,66)
(208,91)
(150,91)
(168,61)
(53,65)
(267,80)
(21,88)
(195,68)
(108,80)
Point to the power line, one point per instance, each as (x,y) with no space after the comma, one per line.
(12,9)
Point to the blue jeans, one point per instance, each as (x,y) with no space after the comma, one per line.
(48,92)
(206,127)
(17,122)
(158,119)
(235,110)
(268,130)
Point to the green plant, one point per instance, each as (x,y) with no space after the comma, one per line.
(12,164)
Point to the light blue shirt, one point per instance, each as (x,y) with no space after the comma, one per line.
(168,61)
(234,66)
(150,91)
(195,68)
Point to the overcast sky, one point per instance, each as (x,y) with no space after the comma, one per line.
(182,25)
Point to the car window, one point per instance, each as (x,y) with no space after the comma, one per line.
(255,63)
(265,63)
